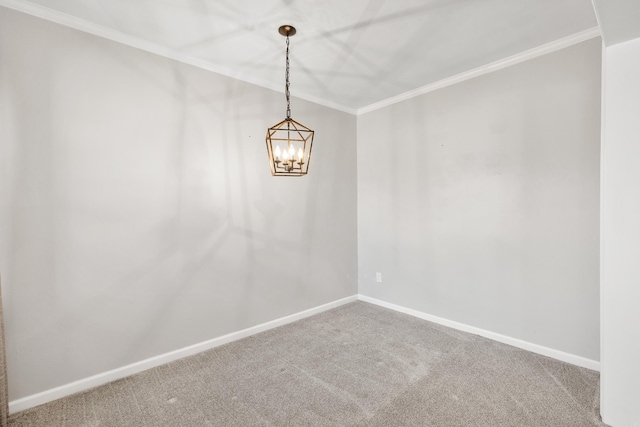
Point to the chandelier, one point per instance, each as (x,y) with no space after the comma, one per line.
(289,142)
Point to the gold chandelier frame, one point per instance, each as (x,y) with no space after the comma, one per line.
(289,142)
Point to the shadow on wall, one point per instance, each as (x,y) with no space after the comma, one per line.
(144,215)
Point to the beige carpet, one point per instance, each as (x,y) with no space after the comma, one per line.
(357,365)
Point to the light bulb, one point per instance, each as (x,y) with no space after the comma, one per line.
(278,153)
(300,154)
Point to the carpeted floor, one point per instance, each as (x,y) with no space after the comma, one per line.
(357,365)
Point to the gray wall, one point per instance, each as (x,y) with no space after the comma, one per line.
(479,202)
(138,214)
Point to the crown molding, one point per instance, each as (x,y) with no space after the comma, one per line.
(151,47)
(157,49)
(489,68)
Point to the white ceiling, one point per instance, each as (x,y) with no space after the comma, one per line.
(347,53)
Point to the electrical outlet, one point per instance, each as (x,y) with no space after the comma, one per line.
(379,277)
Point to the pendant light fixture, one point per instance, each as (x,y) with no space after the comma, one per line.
(289,142)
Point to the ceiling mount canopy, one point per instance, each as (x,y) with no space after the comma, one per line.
(287,30)
(289,142)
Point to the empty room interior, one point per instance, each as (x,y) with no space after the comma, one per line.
(462,250)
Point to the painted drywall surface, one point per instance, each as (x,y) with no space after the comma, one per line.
(618,20)
(142,214)
(479,202)
(620,393)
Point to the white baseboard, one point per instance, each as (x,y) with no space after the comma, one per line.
(119,373)
(525,345)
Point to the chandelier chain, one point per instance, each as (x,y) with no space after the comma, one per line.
(286,87)
(289,142)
